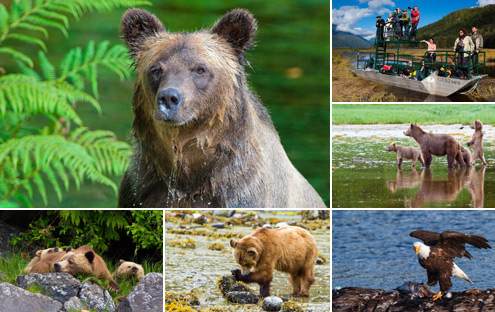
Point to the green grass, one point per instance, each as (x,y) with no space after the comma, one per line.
(410,113)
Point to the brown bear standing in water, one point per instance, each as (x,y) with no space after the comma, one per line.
(477,142)
(407,152)
(466,155)
(84,261)
(438,145)
(289,249)
(202,137)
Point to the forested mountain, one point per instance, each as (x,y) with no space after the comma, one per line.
(342,39)
(446,30)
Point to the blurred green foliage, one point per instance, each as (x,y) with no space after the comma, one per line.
(57,148)
(96,228)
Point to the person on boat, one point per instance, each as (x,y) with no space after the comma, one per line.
(478,44)
(397,28)
(380,24)
(463,44)
(414,22)
(406,23)
(432,47)
(389,26)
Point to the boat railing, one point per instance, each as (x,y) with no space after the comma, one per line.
(449,61)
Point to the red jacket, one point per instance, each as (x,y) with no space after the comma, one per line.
(414,16)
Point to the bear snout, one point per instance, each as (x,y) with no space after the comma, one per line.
(169,100)
(134,269)
(57,267)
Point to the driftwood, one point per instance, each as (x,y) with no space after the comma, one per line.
(354,299)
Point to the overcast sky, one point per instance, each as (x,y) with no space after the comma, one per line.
(359,16)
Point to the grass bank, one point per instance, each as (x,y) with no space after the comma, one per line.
(408,113)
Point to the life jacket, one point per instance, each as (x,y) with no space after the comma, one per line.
(444,73)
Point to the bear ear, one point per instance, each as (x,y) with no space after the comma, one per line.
(121,261)
(90,256)
(137,26)
(238,28)
(233,243)
(68,249)
(38,253)
(252,252)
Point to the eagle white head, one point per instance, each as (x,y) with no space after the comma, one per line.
(421,250)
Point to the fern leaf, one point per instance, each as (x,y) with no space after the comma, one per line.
(4,20)
(50,174)
(47,68)
(28,71)
(33,28)
(38,180)
(17,55)
(41,21)
(27,39)
(54,15)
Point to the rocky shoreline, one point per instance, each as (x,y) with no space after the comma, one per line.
(355,299)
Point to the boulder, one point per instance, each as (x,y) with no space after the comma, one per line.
(96,298)
(242,297)
(58,286)
(147,296)
(15,299)
(272,303)
(74,304)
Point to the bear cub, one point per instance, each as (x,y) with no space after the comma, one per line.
(407,152)
(129,270)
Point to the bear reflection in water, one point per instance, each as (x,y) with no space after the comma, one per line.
(440,190)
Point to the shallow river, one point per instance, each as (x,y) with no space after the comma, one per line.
(373,249)
(200,268)
(364,174)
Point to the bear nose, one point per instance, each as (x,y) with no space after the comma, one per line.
(170,98)
(57,267)
(134,269)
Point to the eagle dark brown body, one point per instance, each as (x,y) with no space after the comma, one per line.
(437,255)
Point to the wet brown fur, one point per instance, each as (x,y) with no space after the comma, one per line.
(288,249)
(407,152)
(221,148)
(466,155)
(438,145)
(477,142)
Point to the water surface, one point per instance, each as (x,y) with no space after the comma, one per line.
(373,248)
(365,175)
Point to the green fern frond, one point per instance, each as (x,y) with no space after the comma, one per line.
(47,68)
(39,14)
(25,94)
(28,39)
(32,27)
(17,55)
(112,155)
(49,152)
(28,71)
(77,66)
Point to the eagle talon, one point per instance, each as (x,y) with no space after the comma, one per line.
(437,296)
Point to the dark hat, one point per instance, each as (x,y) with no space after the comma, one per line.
(378,16)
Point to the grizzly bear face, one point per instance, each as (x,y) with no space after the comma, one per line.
(392,147)
(76,263)
(182,76)
(245,254)
(413,130)
(44,252)
(128,269)
(477,125)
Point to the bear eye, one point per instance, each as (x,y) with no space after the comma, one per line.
(200,71)
(156,71)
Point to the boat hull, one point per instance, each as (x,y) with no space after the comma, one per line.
(433,84)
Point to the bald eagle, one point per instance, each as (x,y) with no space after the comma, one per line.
(437,255)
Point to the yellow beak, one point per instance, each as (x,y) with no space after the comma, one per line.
(416,249)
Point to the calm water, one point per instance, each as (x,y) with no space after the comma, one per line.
(200,268)
(364,174)
(373,248)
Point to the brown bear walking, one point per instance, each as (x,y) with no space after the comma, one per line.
(438,145)
(407,152)
(288,249)
(477,142)
(202,137)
